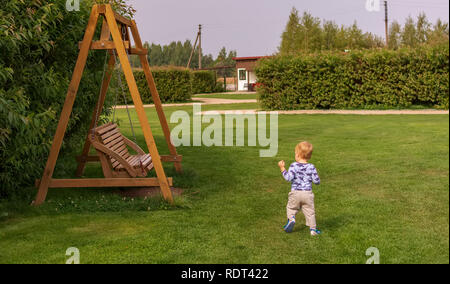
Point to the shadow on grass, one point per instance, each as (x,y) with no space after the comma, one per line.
(196,182)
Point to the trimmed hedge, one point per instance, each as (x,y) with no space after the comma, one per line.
(203,82)
(362,79)
(174,84)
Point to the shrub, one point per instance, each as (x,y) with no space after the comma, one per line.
(173,84)
(203,82)
(39,47)
(362,79)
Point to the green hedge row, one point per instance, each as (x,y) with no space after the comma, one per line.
(362,79)
(174,84)
(203,82)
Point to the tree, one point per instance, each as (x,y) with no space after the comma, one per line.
(422,29)
(288,38)
(225,59)
(395,31)
(177,54)
(409,33)
(355,37)
(309,33)
(329,35)
(439,34)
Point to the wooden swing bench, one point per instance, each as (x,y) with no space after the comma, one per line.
(120,167)
(116,160)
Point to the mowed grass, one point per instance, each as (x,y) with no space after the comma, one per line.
(234,96)
(385,184)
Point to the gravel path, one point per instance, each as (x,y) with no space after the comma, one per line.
(210,101)
(347,112)
(204,101)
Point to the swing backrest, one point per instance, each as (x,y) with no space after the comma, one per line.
(110,136)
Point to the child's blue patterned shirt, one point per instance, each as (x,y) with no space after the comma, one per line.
(302,176)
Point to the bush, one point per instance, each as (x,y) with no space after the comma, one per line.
(173,84)
(39,48)
(363,79)
(203,82)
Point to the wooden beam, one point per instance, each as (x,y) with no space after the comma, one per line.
(67,108)
(96,114)
(172,159)
(101,9)
(104,182)
(119,18)
(164,158)
(105,34)
(155,95)
(87,159)
(104,44)
(139,107)
(139,51)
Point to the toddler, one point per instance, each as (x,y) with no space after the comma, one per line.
(302,175)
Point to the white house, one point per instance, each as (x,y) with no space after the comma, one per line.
(246,72)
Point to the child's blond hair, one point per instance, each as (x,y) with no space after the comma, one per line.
(304,150)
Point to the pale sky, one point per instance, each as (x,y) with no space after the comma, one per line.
(254,27)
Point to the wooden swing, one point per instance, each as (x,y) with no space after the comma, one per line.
(120,168)
(112,148)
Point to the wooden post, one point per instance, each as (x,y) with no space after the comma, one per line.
(199,47)
(148,135)
(386,22)
(225,81)
(98,110)
(67,108)
(192,52)
(155,96)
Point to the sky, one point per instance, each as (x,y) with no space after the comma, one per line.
(254,27)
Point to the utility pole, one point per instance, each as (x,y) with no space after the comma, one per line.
(200,47)
(386,21)
(199,40)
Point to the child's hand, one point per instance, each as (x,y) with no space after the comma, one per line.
(282,165)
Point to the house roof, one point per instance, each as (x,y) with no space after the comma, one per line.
(254,58)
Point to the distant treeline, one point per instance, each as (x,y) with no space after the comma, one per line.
(419,32)
(307,34)
(177,54)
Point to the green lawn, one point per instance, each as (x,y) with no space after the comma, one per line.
(229,96)
(385,184)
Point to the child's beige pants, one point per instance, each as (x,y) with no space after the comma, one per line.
(302,200)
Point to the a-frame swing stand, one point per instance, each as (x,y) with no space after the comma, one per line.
(121,43)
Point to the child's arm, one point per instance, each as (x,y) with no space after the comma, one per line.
(315,177)
(288,175)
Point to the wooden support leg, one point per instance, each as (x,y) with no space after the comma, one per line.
(148,135)
(155,95)
(67,109)
(98,110)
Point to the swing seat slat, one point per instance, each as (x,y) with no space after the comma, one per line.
(113,147)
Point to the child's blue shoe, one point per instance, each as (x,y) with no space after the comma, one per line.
(289,227)
(315,232)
